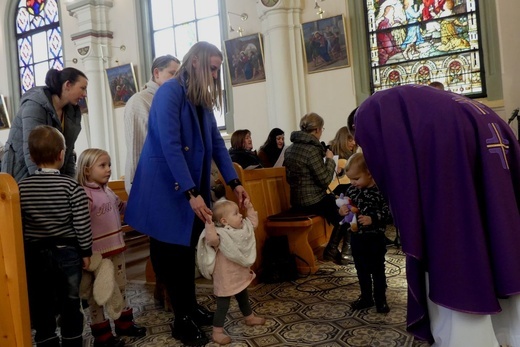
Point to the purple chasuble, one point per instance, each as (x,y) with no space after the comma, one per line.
(450,169)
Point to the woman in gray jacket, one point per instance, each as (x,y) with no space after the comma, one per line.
(56,105)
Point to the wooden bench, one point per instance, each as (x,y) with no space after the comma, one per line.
(118,187)
(270,195)
(15,325)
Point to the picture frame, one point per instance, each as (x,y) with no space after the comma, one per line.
(325,44)
(122,83)
(5,123)
(245,59)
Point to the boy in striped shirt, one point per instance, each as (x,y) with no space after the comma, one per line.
(58,241)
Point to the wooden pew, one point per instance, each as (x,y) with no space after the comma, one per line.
(118,187)
(15,326)
(270,195)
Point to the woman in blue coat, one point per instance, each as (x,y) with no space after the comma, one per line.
(170,196)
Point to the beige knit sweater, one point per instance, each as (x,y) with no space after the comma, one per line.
(137,110)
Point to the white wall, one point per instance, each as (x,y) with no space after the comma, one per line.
(330,93)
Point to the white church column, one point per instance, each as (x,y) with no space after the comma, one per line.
(286,92)
(93,42)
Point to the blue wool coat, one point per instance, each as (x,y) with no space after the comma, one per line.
(176,156)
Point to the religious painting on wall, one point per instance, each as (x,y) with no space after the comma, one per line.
(245,57)
(325,43)
(424,41)
(122,82)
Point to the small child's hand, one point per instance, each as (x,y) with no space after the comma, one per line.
(343,210)
(86,263)
(247,203)
(365,220)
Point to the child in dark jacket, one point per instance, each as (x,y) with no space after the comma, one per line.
(368,243)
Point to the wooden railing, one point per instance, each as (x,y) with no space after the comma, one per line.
(15,326)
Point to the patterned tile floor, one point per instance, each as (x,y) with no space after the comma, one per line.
(312,311)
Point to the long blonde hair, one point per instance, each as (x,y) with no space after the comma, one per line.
(202,89)
(339,144)
(86,160)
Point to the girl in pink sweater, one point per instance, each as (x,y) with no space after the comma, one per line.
(225,252)
(106,208)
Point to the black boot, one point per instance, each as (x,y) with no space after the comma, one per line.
(201,316)
(72,342)
(331,252)
(188,332)
(346,251)
(50,342)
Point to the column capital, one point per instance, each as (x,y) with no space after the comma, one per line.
(75,4)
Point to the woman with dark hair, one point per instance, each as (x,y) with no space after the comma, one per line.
(55,104)
(137,110)
(272,148)
(171,192)
(241,150)
(350,121)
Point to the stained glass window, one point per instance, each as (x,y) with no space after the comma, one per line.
(424,41)
(38,37)
(178,24)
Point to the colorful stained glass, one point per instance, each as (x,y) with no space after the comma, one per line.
(25,53)
(35,7)
(22,20)
(55,44)
(26,78)
(38,35)
(422,41)
(51,12)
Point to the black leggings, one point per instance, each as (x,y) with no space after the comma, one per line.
(223,307)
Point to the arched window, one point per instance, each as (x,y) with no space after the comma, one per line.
(38,39)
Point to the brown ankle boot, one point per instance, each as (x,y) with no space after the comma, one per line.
(219,336)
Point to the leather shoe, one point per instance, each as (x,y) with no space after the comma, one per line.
(201,316)
(113,341)
(382,308)
(132,330)
(362,303)
(188,332)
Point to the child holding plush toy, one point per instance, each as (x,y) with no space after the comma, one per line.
(368,242)
(105,214)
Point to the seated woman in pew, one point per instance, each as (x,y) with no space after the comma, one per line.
(241,150)
(272,148)
(343,145)
(309,176)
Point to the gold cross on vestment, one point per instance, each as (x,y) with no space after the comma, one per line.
(497,144)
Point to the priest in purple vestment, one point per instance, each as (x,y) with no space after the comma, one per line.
(450,169)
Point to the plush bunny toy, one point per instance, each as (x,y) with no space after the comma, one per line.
(351,216)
